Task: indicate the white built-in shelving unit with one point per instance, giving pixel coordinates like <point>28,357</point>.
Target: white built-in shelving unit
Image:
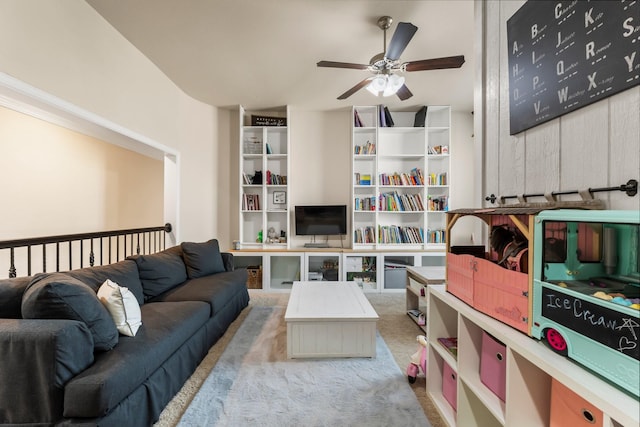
<point>400,179</point>
<point>264,205</point>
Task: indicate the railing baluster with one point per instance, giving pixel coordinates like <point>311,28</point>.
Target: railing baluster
<point>12,265</point>
<point>58,256</point>
<point>110,249</point>
<point>101,250</point>
<point>91,254</point>
<point>44,258</point>
<point>117,248</point>
<point>70,255</point>
<point>81,253</point>
<point>138,244</point>
<point>29,260</point>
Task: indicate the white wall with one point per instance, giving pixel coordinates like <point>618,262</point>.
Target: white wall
<point>64,48</point>
<point>593,147</point>
<point>58,181</point>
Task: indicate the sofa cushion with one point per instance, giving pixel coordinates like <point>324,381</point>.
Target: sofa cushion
<point>161,271</point>
<point>202,259</point>
<point>122,306</point>
<point>59,296</point>
<point>124,273</point>
<point>11,291</point>
<point>114,375</point>
<point>217,290</point>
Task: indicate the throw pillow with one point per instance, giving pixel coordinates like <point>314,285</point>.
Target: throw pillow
<point>202,259</point>
<point>161,271</point>
<point>123,307</point>
<point>58,296</point>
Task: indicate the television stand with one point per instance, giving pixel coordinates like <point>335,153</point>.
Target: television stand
<point>316,245</point>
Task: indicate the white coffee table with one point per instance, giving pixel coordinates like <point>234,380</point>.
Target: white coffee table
<point>330,319</point>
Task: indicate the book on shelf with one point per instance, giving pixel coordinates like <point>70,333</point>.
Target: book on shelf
<point>367,148</point>
<point>437,203</point>
<point>247,179</point>
<point>365,203</point>
<point>392,201</point>
<point>438,149</point>
<point>269,151</point>
<point>420,117</point>
<point>451,344</point>
<point>412,178</point>
<point>382,120</point>
<point>275,179</point>
<point>438,178</point>
<point>364,235</point>
<point>362,179</point>
<point>250,202</point>
<point>394,234</point>
<point>388,118</point>
<point>357,122</point>
<point>436,236</point>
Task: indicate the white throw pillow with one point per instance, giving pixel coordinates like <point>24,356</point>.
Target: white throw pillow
<point>123,307</point>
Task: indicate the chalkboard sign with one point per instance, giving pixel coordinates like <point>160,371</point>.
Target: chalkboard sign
<point>609,327</point>
<point>564,55</point>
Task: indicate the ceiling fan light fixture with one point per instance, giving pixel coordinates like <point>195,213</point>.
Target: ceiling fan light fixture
<point>378,84</point>
<point>394,82</point>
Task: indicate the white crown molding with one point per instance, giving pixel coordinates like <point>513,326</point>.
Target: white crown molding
<point>20,96</point>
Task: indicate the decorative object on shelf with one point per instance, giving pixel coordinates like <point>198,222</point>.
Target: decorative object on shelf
<point>386,67</point>
<point>268,121</point>
<point>252,145</point>
<point>272,237</point>
<point>257,178</point>
<point>279,197</point>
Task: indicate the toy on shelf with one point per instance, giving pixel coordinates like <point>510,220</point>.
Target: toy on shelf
<point>418,360</point>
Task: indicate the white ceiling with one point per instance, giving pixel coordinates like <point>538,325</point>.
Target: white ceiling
<point>263,53</point>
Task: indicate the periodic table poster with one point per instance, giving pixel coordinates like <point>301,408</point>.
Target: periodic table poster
<point>564,55</point>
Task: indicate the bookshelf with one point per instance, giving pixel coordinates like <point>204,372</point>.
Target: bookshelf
<point>401,185</point>
<point>264,184</point>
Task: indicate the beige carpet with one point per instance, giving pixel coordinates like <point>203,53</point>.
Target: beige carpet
<point>398,331</point>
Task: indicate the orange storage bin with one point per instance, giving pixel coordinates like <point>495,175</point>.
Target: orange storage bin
<point>569,409</point>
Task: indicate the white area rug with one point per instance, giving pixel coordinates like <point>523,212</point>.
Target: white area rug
<point>254,384</point>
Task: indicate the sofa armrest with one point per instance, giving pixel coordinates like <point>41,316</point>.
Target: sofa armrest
<point>227,259</point>
<point>38,358</point>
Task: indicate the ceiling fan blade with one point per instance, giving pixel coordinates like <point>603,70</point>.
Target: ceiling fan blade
<point>436,63</point>
<point>356,88</point>
<point>404,93</point>
<point>401,38</point>
<point>333,64</point>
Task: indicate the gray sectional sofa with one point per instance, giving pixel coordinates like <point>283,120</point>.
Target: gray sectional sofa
<point>62,362</point>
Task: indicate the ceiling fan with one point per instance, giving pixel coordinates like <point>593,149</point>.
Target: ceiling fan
<point>386,67</point>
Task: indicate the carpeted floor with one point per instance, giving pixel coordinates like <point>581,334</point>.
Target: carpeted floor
<point>395,327</point>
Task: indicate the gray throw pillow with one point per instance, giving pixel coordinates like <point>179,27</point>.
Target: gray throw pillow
<point>58,296</point>
<point>202,259</point>
<point>161,271</point>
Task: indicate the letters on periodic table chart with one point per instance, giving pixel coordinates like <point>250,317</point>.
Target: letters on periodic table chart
<point>564,55</point>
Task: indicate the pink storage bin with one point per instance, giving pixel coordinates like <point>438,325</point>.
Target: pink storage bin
<point>450,385</point>
<point>493,365</point>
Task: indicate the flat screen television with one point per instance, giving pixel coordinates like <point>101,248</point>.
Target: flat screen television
<point>321,220</point>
